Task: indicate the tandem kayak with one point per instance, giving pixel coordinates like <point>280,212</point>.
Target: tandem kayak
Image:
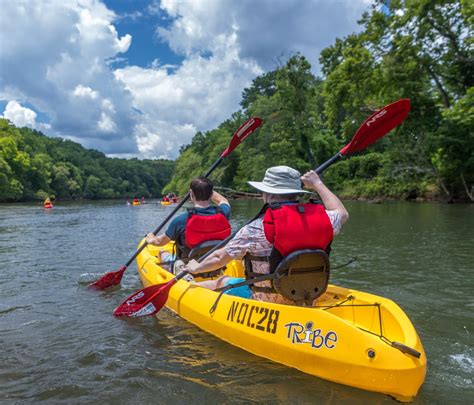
<point>349,337</point>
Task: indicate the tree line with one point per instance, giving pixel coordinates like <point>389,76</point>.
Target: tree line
<point>419,49</point>
<point>34,166</point>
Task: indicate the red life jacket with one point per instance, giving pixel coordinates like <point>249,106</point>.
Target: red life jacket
<point>201,228</point>
<point>291,227</point>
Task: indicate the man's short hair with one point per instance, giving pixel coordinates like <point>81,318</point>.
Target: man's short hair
<point>202,188</point>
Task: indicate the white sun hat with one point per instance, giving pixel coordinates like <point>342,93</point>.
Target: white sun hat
<point>280,180</point>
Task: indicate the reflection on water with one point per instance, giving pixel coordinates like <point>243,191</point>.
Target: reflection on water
<point>60,342</point>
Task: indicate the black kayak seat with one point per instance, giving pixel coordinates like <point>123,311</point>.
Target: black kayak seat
<point>200,250</point>
<point>303,275</point>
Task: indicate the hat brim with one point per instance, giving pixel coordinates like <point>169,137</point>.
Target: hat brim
<point>273,190</point>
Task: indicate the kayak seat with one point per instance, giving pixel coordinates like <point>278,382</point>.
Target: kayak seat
<point>200,250</point>
<point>303,276</point>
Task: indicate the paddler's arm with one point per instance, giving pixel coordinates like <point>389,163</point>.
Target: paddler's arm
<point>331,202</point>
<point>218,199</point>
<point>158,240</point>
<point>215,261</point>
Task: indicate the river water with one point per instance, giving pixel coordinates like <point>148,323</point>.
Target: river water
<point>59,342</point>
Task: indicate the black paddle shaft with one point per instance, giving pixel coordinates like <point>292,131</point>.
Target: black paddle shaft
<point>328,163</point>
<point>172,213</point>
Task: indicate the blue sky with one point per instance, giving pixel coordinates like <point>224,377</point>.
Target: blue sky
<point>141,77</point>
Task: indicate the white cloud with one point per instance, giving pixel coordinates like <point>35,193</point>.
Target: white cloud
<point>267,30</point>
<point>19,115</point>
<point>23,116</point>
<point>106,124</point>
<point>56,56</point>
<point>84,91</point>
<point>154,140</point>
<point>201,92</point>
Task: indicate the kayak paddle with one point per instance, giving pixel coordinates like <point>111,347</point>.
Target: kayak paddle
<point>149,300</point>
<point>372,129</point>
<point>113,278</point>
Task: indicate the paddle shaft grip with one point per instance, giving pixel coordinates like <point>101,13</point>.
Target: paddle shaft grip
<point>172,213</point>
<point>328,163</point>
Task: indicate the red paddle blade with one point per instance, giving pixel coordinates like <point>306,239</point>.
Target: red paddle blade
<point>377,125</point>
<point>109,280</point>
<point>242,132</point>
<point>147,301</point>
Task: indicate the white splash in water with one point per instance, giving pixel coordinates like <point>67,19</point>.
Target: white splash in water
<point>87,278</point>
<point>464,361</point>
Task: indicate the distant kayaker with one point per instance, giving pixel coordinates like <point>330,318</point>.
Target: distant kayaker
<point>202,223</point>
<point>280,187</point>
<point>47,203</point>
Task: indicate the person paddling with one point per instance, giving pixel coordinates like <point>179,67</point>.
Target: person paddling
<point>299,226</point>
<point>200,224</point>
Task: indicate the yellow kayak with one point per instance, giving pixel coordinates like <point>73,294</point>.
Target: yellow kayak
<point>349,337</point>
<point>165,202</point>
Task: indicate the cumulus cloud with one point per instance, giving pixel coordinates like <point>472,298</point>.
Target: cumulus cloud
<point>226,44</point>
<point>267,30</point>
<point>199,94</point>
<point>23,116</point>
<point>57,56</point>
<point>19,115</point>
<point>84,91</point>
<point>53,56</point>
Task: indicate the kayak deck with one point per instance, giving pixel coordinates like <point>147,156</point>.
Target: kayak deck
<point>346,337</point>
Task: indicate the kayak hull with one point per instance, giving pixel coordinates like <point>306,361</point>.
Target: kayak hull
<point>346,338</point>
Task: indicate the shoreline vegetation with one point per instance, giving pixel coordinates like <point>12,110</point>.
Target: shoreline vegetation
<point>34,166</point>
<point>418,50</point>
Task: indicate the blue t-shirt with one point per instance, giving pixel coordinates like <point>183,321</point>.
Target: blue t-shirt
<point>178,224</point>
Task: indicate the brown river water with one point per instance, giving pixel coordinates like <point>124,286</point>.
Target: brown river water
<point>59,342</point>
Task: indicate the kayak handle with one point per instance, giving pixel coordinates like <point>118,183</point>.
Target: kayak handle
<point>406,349</point>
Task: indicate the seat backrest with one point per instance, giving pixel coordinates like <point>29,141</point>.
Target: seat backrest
<point>303,275</point>
<point>200,250</point>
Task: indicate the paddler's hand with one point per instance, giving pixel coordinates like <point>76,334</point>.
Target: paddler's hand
<point>151,239</point>
<point>311,180</point>
<point>191,267</point>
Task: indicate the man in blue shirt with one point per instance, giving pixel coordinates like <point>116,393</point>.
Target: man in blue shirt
<point>204,222</point>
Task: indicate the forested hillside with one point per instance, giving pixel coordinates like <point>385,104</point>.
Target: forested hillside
<point>34,166</point>
<point>422,50</point>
